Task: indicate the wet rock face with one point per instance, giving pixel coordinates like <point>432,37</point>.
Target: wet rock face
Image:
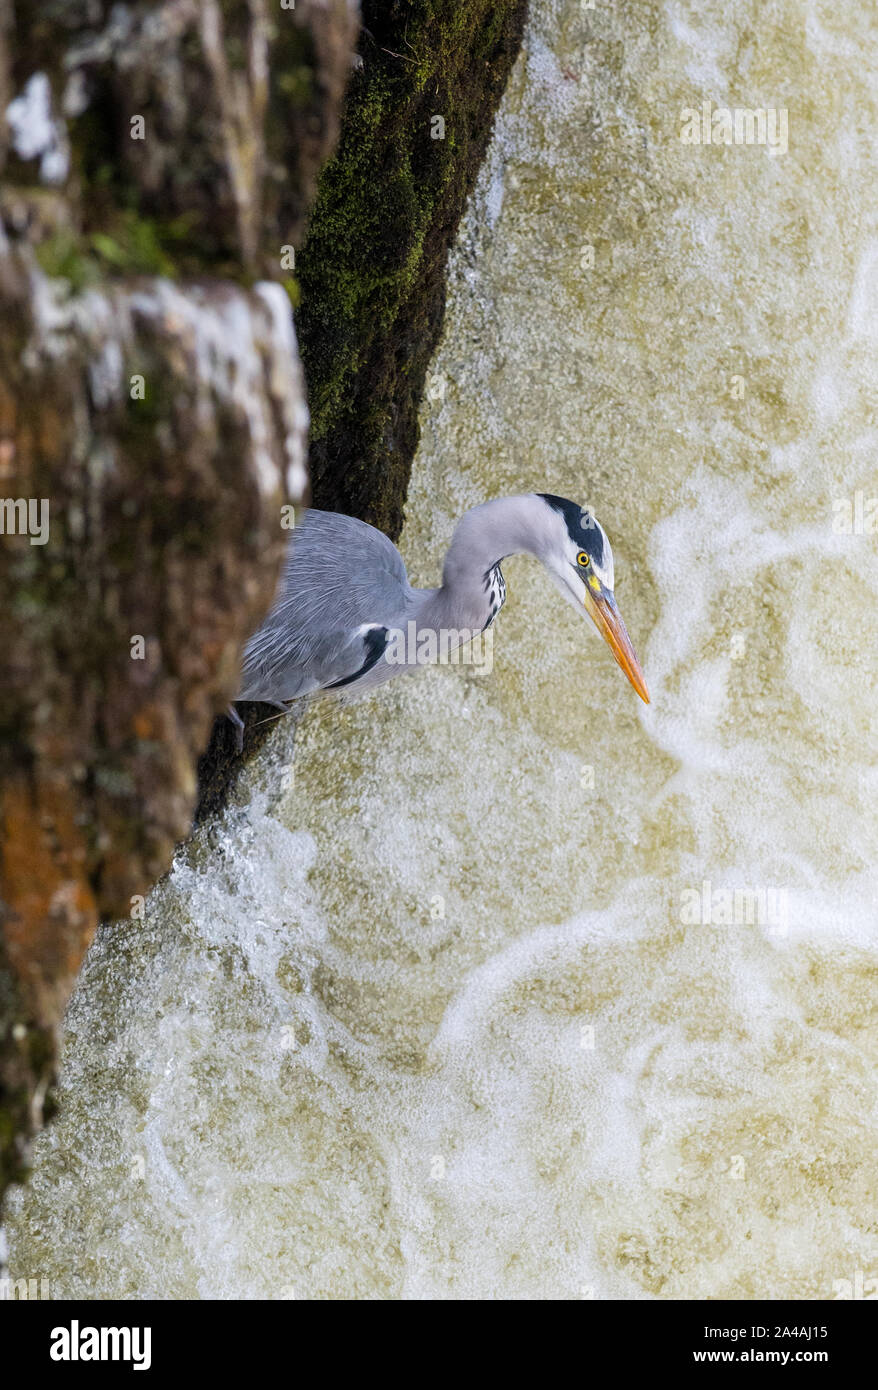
<point>157,163</point>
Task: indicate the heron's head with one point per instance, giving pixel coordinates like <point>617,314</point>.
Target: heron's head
<point>579,558</point>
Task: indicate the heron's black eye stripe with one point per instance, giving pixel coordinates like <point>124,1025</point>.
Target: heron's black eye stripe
<point>582,524</point>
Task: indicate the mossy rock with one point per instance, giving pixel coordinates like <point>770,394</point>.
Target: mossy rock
<point>418,118</point>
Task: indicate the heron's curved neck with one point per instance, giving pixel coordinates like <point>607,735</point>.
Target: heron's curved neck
<point>483,537</point>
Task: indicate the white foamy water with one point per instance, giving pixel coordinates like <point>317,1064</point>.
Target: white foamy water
<point>433,1014</point>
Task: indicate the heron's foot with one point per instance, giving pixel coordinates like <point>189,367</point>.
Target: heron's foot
<point>238,723</point>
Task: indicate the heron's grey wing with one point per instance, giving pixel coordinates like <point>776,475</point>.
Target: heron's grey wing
<point>343,581</point>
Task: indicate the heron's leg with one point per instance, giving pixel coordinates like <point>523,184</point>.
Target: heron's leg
<point>238,722</point>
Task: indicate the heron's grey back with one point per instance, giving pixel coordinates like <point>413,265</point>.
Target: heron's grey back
<point>339,575</point>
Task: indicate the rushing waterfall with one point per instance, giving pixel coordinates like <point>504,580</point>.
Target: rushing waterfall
<point>500,983</point>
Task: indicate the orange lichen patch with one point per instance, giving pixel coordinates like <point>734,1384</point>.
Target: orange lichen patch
<point>144,723</point>
<point>51,912</point>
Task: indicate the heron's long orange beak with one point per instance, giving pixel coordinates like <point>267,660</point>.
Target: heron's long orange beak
<point>601,608</point>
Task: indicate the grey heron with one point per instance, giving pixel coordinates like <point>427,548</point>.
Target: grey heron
<point>344,596</point>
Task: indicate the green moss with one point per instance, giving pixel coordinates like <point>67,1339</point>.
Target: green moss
<point>128,245</point>
<point>63,256</point>
<point>141,245</point>
<point>297,84</point>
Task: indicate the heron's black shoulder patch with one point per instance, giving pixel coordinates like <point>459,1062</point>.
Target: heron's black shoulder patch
<point>374,642</point>
<point>582,526</point>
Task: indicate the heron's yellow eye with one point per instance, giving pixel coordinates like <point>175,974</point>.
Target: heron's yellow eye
<point>582,558</point>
